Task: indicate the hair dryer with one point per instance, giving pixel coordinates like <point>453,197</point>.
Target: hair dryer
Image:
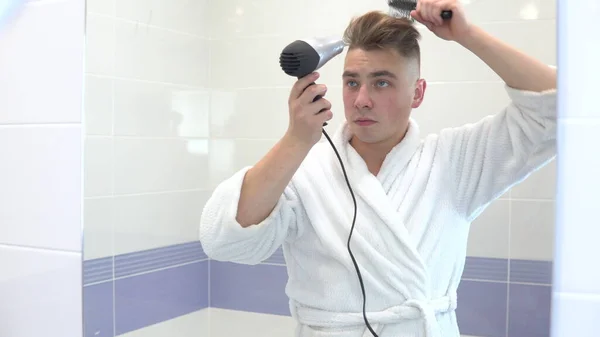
<point>302,57</point>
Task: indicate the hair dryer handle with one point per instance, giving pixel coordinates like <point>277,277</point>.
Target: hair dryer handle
<point>318,97</point>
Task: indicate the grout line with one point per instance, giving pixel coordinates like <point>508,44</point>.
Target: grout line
<point>112,189</point>
<point>121,195</point>
<point>508,260</point>
<point>40,125</point>
<point>39,249</point>
<point>132,79</point>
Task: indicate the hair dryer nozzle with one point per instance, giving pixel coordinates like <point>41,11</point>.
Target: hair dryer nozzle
<point>303,57</point>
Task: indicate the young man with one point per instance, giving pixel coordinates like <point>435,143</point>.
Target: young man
<point>415,197</point>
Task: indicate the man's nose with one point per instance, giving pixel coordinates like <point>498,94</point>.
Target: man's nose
<point>363,99</point>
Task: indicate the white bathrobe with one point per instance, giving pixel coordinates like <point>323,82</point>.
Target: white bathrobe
<point>412,226</point>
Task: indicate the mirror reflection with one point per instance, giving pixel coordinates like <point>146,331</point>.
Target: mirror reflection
<point>218,204</point>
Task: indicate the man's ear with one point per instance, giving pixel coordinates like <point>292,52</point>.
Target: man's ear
<point>420,87</point>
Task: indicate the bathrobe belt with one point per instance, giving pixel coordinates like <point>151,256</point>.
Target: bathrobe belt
<point>409,310</point>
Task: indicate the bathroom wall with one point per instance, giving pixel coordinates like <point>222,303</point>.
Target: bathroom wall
<point>179,95</point>
<point>506,288</point>
<point>41,91</point>
<point>146,163</point>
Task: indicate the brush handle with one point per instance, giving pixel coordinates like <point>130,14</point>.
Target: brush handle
<point>446,15</point>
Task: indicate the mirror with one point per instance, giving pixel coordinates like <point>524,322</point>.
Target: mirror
<point>181,95</point>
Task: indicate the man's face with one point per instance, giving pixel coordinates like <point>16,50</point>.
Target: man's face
<point>380,89</point>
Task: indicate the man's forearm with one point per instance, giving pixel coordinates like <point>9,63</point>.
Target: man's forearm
<point>517,70</point>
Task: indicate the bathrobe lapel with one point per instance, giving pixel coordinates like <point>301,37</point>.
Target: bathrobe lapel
<point>374,190</point>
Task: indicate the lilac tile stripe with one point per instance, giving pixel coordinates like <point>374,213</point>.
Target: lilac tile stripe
<point>481,308</point>
<point>98,310</point>
<point>155,297</point>
<point>529,310</point>
<point>525,271</point>
<point>138,262</point>
<point>259,288</point>
<point>487,269</point>
<point>97,270</point>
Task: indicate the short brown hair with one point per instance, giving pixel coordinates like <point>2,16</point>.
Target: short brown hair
<point>378,30</point>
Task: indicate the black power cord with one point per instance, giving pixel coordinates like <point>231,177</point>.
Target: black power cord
<point>362,286</point>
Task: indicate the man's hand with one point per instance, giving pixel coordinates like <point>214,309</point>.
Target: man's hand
<point>428,12</point>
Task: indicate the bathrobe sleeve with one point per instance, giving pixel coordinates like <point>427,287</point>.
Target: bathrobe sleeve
<point>487,158</point>
<point>224,239</point>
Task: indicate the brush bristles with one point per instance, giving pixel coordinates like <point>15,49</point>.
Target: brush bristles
<point>400,13</point>
<point>401,8</point>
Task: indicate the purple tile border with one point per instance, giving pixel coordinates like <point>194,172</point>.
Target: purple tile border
<point>488,269</point>
<point>526,271</point>
<point>139,262</point>
<point>98,310</point>
<point>481,308</point>
<point>97,270</point>
<point>160,284</point>
<point>529,310</point>
<point>151,298</point>
<point>259,288</point>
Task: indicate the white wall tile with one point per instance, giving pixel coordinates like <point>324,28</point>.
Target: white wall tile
<point>105,7</point>
<point>98,109</point>
<point>532,230</point>
<point>575,314</point>
<point>539,185</point>
<point>160,110</point>
<point>489,232</point>
<point>41,292</point>
<point>192,17</point>
<point>36,89</point>
<point>229,155</point>
<point>155,220</point>
<point>41,189</point>
<point>100,45</point>
<point>160,164</point>
<point>98,166</point>
<point>153,54</point>
<point>98,223</point>
<point>480,11</point>
<point>455,104</point>
<point>578,227</point>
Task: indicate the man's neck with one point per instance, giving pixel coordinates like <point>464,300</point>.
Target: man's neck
<point>374,154</point>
